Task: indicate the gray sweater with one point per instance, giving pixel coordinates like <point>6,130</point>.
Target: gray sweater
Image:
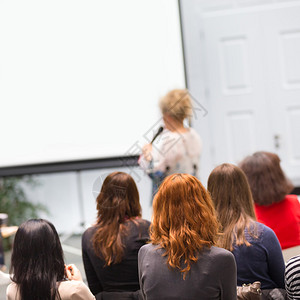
<point>213,276</point>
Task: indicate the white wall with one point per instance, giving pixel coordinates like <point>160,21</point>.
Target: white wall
<point>70,197</point>
<point>265,116</point>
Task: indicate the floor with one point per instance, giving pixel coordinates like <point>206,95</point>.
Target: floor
<point>72,250</point>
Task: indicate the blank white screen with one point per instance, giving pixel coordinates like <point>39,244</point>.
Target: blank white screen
<point>82,79</point>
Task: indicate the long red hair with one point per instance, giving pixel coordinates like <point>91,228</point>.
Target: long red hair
<point>184,220</point>
<point>117,203</point>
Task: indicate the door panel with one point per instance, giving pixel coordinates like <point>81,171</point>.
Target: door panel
<point>281,32</point>
<point>236,86</point>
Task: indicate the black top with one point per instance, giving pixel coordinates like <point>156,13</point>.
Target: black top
<point>116,277</point>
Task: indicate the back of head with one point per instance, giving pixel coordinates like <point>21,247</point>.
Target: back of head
<point>177,103</point>
<point>183,220</point>
<point>37,260</point>
<point>266,178</point>
<point>232,198</point>
<point>117,202</point>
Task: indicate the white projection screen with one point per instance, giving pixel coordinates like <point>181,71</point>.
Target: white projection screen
<point>82,79</point>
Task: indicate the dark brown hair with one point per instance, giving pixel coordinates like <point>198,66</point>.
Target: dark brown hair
<point>266,178</point>
<point>37,261</point>
<point>183,221</point>
<point>232,197</point>
<point>117,203</point>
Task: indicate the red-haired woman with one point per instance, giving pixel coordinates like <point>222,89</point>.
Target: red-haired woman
<point>110,248</point>
<point>182,262</point>
<point>270,188</point>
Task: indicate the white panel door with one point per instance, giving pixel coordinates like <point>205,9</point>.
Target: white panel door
<point>281,33</point>
<point>236,86</point>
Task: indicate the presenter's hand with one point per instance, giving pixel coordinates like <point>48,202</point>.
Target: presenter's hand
<point>147,150</point>
<point>73,273</point>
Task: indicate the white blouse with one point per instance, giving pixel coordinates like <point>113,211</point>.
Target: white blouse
<point>174,152</point>
<point>68,290</point>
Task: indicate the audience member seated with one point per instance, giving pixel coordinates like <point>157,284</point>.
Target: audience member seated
<point>1,253</point>
<point>3,220</point>
<point>255,246</point>
<point>270,189</point>
<point>38,267</point>
<point>110,248</point>
<point>182,262</point>
<point>5,232</point>
<point>292,278</point>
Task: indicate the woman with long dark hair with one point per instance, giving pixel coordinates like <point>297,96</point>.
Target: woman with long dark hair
<point>38,268</point>
<point>255,246</point>
<point>182,261</point>
<point>110,247</point>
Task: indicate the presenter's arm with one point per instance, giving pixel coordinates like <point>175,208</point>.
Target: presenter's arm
<point>147,152</point>
<point>154,156</point>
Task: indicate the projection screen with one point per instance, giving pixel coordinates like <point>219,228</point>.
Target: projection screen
<point>82,79</point>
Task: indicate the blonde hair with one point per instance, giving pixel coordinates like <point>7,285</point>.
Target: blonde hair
<point>184,220</point>
<point>178,104</point>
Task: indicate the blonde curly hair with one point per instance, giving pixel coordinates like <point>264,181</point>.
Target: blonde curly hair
<point>178,104</point>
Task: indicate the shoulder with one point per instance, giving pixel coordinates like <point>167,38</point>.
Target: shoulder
<point>194,135</point>
<point>295,260</point>
<point>147,248</point>
<point>266,236</point>
<point>217,261</point>
<point>193,132</point>
<point>11,291</point>
<point>138,224</point>
<point>150,250</point>
<point>224,260</point>
<point>292,272</point>
<point>293,263</point>
<point>89,232</point>
<point>144,223</point>
<point>219,251</point>
<point>291,199</point>
<point>264,230</point>
<point>221,254</point>
<point>151,256</point>
<point>71,289</point>
<point>72,284</point>
<point>87,236</point>
<point>193,140</point>
<point>165,135</point>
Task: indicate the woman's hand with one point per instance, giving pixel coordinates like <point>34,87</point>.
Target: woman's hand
<point>73,273</point>
<point>147,149</point>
